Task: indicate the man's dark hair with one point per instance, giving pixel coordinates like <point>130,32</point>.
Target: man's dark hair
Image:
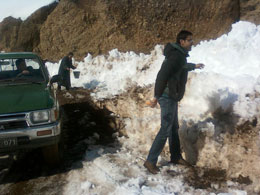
<point>70,54</point>
<point>19,61</point>
<point>182,35</point>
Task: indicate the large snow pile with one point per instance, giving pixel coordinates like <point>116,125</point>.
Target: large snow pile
<point>220,105</point>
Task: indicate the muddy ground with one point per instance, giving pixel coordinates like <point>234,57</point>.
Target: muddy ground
<point>29,174</point>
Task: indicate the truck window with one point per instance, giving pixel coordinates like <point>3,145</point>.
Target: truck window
<point>12,70</point>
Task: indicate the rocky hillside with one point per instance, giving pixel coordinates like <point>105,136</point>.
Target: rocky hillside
<point>18,35</point>
<point>87,26</point>
<point>249,11</point>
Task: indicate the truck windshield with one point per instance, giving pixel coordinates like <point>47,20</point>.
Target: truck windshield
<point>20,70</point>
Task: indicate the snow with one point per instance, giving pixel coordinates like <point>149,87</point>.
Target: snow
<point>231,74</point>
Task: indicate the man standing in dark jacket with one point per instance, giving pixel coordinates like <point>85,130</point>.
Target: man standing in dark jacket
<point>64,71</point>
<point>169,89</point>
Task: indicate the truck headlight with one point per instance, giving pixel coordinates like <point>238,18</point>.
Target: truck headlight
<point>44,116</point>
<point>40,116</point>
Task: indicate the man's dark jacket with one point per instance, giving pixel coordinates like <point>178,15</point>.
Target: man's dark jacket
<point>172,77</point>
<point>64,72</point>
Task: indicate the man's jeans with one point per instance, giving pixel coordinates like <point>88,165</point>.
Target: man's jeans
<point>169,129</point>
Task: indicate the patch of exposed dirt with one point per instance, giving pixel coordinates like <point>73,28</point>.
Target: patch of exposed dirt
<point>214,180</point>
<point>204,178</point>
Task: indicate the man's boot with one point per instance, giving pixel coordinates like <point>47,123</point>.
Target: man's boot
<point>181,161</point>
<point>151,168</point>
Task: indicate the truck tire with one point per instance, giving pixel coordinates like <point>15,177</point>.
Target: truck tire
<point>53,154</point>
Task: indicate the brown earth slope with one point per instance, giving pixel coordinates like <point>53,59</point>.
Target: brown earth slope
<point>87,26</point>
<point>250,11</point>
<point>18,35</point>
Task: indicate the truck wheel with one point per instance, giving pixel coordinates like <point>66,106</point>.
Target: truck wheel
<point>53,154</point>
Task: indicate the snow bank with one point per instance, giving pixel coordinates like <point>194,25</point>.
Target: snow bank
<point>218,117</point>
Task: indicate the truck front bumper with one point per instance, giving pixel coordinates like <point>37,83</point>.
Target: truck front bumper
<point>30,137</point>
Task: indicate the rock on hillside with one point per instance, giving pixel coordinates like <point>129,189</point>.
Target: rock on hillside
<point>29,32</point>
<point>98,26</point>
<point>250,11</point>
<point>9,30</point>
<point>18,35</point>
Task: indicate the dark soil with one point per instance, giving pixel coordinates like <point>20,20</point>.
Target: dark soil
<point>211,179</point>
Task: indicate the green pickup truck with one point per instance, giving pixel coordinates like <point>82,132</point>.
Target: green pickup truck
<point>30,116</point>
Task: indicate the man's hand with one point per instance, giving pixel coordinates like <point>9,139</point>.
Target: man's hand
<point>199,66</point>
<point>25,72</point>
<point>152,103</point>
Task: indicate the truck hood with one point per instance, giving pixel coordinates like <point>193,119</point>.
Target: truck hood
<point>25,97</point>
